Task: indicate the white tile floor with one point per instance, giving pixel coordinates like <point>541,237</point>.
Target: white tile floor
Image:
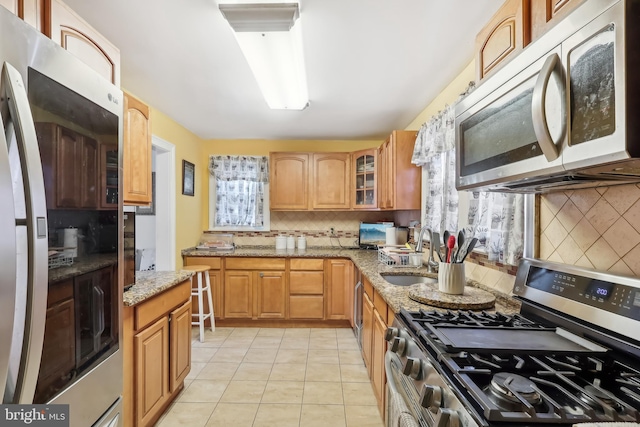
<point>275,377</point>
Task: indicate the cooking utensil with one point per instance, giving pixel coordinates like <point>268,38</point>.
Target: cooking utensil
<point>451,243</point>
<point>470,247</point>
<point>460,245</point>
<point>445,240</point>
<point>435,243</point>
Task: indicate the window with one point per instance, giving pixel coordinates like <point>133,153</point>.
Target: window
<point>239,193</point>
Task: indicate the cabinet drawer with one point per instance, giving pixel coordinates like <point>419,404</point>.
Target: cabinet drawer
<point>213,262</point>
<point>59,291</point>
<point>254,263</point>
<point>161,304</point>
<point>306,264</point>
<point>306,307</point>
<point>306,282</point>
<point>380,304</point>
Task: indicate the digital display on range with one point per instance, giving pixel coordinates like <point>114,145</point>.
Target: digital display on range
<point>600,289</point>
<point>568,284</point>
<point>636,299</point>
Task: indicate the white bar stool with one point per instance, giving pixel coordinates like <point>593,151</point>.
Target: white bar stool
<point>201,270</point>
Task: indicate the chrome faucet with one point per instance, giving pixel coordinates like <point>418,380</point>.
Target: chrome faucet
<point>434,240</point>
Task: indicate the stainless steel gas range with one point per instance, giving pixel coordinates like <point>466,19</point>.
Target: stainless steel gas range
<point>572,355</point>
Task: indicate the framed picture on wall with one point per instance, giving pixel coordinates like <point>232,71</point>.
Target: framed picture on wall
<point>151,209</point>
<point>188,178</point>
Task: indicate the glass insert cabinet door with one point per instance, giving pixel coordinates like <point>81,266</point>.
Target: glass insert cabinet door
<point>365,182</point>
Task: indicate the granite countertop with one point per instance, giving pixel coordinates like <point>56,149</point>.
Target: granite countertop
<point>396,297</point>
<point>151,283</point>
<point>82,265</point>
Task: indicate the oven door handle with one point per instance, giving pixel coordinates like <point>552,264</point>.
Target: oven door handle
<point>398,413</point>
<point>538,109</point>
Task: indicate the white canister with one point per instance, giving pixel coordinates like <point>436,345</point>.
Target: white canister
<point>281,242</point>
<point>302,242</point>
<point>390,236</point>
<point>291,242</point>
<point>451,278</point>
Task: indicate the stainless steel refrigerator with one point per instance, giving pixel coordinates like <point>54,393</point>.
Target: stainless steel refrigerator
<point>60,229</point>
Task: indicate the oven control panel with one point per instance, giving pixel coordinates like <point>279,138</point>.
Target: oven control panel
<point>616,298</point>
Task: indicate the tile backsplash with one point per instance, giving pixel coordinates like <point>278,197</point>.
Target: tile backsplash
<point>315,227</point>
<point>596,228</point>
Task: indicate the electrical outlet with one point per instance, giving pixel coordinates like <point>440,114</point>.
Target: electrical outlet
<point>332,231</point>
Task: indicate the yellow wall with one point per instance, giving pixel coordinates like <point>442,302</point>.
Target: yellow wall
<point>188,208</point>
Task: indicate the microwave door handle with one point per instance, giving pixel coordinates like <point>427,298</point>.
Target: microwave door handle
<point>538,109</point>
<point>15,94</point>
<point>8,255</point>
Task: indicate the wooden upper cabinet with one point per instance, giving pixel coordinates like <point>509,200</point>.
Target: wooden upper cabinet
<point>364,183</point>
<point>330,181</point>
<point>289,181</point>
<point>506,34</point>
<point>137,152</point>
<point>546,13</point>
<point>74,34</point>
<point>399,181</point>
<point>29,10</point>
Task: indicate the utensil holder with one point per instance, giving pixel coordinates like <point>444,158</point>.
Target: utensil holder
<point>451,278</point>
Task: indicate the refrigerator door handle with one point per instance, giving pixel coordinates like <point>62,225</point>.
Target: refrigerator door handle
<point>14,91</point>
<point>8,255</point>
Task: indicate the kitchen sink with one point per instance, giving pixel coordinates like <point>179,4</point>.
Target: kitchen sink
<point>405,280</point>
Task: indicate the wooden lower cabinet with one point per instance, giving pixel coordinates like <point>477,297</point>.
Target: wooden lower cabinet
<point>152,370</point>
<point>374,346</point>
<point>258,293</point>
<point>339,289</point>
<point>306,289</point>
<point>271,295</point>
<point>180,351</point>
<point>157,352</point>
<point>378,376</point>
<point>238,294</point>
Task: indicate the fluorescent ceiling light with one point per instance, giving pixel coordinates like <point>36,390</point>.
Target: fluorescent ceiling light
<point>270,38</point>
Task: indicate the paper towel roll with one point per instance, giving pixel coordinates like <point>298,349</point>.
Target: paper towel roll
<point>70,240</point>
<point>390,236</point>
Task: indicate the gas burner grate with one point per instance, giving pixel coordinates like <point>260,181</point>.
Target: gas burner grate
<point>482,319</point>
<point>559,388</point>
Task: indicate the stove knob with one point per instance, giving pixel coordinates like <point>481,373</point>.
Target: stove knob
<point>412,368</point>
<point>399,345</point>
<point>391,333</point>
<point>447,418</point>
<point>431,397</point>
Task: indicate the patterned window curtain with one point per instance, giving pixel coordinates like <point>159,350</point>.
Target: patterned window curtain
<point>435,152</point>
<point>240,184</point>
<point>496,219</point>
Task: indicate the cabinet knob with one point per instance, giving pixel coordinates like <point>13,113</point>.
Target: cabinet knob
<point>261,274</point>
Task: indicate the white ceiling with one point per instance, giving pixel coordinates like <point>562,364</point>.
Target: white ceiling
<point>372,65</point>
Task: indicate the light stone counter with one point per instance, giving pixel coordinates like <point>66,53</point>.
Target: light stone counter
<point>367,262</point>
<point>151,283</point>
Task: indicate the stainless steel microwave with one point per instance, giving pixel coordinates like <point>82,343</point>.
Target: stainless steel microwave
<point>565,113</point>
